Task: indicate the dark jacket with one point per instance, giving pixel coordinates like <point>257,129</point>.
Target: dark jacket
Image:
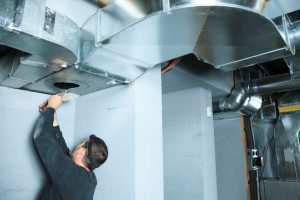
<point>66,180</point>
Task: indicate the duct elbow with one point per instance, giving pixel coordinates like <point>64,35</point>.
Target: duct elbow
<point>235,101</point>
<point>239,101</point>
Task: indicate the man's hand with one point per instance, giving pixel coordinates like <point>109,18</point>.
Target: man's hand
<point>53,101</point>
<point>43,106</point>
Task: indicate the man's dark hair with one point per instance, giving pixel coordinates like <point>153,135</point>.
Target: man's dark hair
<point>97,152</point>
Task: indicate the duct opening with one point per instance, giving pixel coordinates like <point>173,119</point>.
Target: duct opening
<point>65,85</point>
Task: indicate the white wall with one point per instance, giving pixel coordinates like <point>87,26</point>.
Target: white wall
<point>128,118</point>
<point>189,148</point>
<point>21,174</point>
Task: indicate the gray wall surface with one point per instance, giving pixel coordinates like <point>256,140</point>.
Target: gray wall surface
<point>230,159</point>
<point>21,173</point>
<point>129,119</point>
<point>189,154</point>
<point>109,115</point>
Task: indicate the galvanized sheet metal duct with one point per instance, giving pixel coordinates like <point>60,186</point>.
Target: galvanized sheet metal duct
<point>46,41</point>
<point>86,82</point>
<point>296,34</point>
<point>29,26</point>
<point>143,34</point>
<point>242,91</point>
<point>127,37</point>
<point>272,84</point>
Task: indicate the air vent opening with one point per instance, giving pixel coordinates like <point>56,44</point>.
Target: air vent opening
<point>65,85</point>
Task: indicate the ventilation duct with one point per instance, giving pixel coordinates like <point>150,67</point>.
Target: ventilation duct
<point>239,100</point>
<point>29,26</point>
<point>42,47</point>
<point>241,93</point>
<point>127,37</point>
<point>19,69</point>
<point>133,36</point>
<point>42,42</point>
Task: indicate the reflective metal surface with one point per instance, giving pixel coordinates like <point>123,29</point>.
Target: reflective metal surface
<point>277,83</point>
<point>275,8</point>
<point>241,45</point>
<point>233,102</point>
<point>296,34</point>
<point>287,137</point>
<point>293,62</point>
<point>190,73</point>
<point>238,97</point>
<point>251,105</point>
<point>257,5</point>
<point>122,14</point>
<point>33,31</point>
<point>112,62</point>
<point>279,190</point>
<point>287,146</point>
<point>125,38</point>
<point>277,138</point>
<point>87,82</point>
<point>19,69</point>
<point>145,34</point>
<point>239,100</point>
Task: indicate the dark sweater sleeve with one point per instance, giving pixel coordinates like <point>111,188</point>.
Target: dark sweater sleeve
<point>45,122</point>
<point>57,134</point>
<point>72,182</point>
<point>45,126</point>
<point>47,146</point>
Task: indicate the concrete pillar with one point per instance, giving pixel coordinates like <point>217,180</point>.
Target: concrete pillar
<point>189,148</point>
<point>231,169</point>
<point>129,119</point>
<point>148,137</point>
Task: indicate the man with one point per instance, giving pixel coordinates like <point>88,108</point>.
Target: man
<point>71,177</point>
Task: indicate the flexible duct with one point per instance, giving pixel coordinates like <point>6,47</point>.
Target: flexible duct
<point>242,93</point>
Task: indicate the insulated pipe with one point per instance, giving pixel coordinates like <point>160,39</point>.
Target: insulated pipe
<point>242,91</point>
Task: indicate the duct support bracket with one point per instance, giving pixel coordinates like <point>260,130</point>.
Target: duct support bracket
<point>103,74</point>
<point>288,34</point>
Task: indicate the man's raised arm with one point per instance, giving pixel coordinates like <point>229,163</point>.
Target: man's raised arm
<point>48,118</point>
